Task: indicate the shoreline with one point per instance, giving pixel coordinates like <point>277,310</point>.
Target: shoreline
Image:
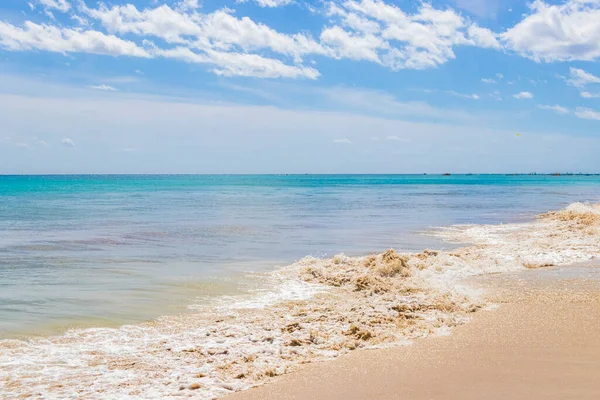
<point>341,304</point>
<point>517,351</point>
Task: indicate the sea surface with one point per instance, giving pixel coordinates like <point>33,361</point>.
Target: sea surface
<point>82,251</point>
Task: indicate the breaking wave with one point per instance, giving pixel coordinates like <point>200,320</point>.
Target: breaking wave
<point>321,309</point>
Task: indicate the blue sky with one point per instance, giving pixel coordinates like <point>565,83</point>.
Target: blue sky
<point>286,86</point>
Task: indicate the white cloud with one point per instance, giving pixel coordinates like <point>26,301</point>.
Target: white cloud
<point>372,30</point>
<point>80,20</point>
<point>488,80</point>
<point>589,95</point>
<point>464,96</point>
<point>557,109</point>
<point>564,32</point>
<point>188,5</point>
<point>60,5</point>
<point>483,37</point>
<point>580,78</point>
<point>273,3</point>
<point>587,113</point>
<point>218,38</point>
<point>353,46</point>
<point>400,40</point>
<point>217,31</point>
<point>238,64</point>
<point>396,138</point>
<point>523,95</point>
<point>418,37</point>
<point>342,141</point>
<point>68,142</point>
<point>105,88</point>
<point>353,21</point>
<point>62,40</point>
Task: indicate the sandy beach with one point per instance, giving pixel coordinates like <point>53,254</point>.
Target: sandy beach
<point>510,315</point>
<point>541,342</point>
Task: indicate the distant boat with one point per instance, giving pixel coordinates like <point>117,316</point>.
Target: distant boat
<point>447,174</point>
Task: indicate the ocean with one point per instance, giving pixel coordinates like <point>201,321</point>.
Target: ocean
<point>92,250</point>
<point>155,287</point>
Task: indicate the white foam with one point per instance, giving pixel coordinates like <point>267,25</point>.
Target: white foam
<point>318,310</point>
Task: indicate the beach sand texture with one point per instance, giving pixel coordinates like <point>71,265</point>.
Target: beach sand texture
<point>542,343</point>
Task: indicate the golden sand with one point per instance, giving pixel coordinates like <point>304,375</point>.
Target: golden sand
<point>380,300</point>
<point>541,344</point>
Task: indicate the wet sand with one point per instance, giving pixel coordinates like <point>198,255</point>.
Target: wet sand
<point>543,342</point>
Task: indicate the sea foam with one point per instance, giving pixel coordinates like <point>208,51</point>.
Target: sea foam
<point>323,308</point>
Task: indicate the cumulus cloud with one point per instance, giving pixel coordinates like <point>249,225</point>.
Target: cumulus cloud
<point>557,109</point>
<point>188,5</point>
<point>67,142</point>
<point>589,95</point>
<point>523,95</point>
<point>482,37</point>
<point>33,36</point>
<point>344,44</point>
<point>586,113</point>
<point>557,32</point>
<point>580,78</point>
<point>239,64</point>
<point>229,43</point>
<point>105,88</point>
<point>488,80</point>
<point>400,40</point>
<point>219,30</point>
<point>60,5</point>
<point>368,30</point>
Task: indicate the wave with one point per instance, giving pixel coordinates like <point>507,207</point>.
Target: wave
<point>320,309</point>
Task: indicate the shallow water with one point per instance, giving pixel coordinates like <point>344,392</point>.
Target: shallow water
<point>80,251</point>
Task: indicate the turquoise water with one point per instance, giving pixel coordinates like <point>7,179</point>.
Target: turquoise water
<point>107,250</point>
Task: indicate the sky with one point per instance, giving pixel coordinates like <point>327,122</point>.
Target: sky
<point>293,86</point>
